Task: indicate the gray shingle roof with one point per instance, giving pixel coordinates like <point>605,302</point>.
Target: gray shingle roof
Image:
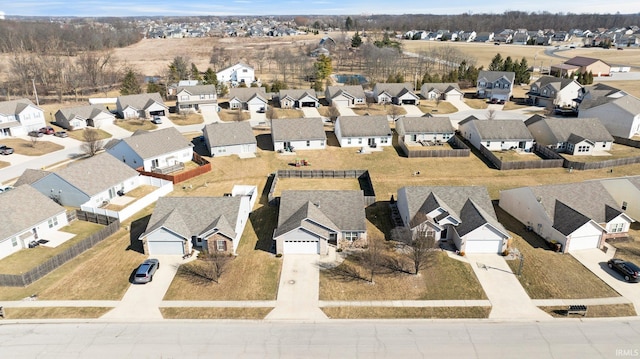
<point>356,126</point>
<point>30,176</point>
<point>229,133</point>
<point>96,174</point>
<point>84,112</point>
<point>441,87</point>
<point>556,82</point>
<point>492,76</point>
<point>411,125</point>
<point>298,93</point>
<point>141,101</point>
<point>245,94</point>
<point>193,216</point>
<point>562,128</point>
<point>394,89</point>
<point>24,207</point>
<point>502,130</point>
<point>14,107</point>
<point>198,89</point>
<point>355,91</point>
<point>153,144</point>
<point>297,129</point>
<point>341,209</point>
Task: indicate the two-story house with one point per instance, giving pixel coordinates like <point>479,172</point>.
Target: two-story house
<point>192,98</point>
<point>554,91</point>
<point>236,74</point>
<point>18,117</point>
<point>495,85</point>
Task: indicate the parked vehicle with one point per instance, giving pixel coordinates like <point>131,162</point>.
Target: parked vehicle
<point>61,134</point>
<point>629,271</point>
<point>5,188</point>
<point>35,134</point>
<point>47,130</point>
<point>145,272</point>
<point>4,150</point>
<point>157,120</point>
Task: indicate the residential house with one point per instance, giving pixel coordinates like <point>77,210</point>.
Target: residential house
<point>619,115</point>
<point>495,84</point>
<point>395,93</point>
<point>237,74</point>
<point>230,138</point>
<point>575,215</point>
<point>496,135</point>
<point>462,215</point>
<point>521,38</point>
<point>193,98</point>
<point>77,118</point>
<point>467,36</point>
<point>574,136</point>
<point>162,151</point>
<point>27,216</point>
<point>484,37</point>
<point>252,99</point>
<point>345,96</point>
<point>626,192</point>
<point>549,91</point>
<point>443,91</point>
<point>18,117</point>
<point>142,105</point>
<point>211,224</point>
<point>293,134</point>
<point>415,130</point>
<point>583,65</point>
<point>298,98</point>
<point>91,182</point>
<point>360,131</point>
<point>311,221</point>
<point>505,36</point>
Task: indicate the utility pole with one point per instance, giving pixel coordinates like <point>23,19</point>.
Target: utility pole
<point>35,92</point>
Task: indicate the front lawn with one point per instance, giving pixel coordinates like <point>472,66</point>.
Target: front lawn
<point>56,313</point>
<point>594,311</point>
<point>374,109</point>
<point>406,312</point>
<point>79,134</point>
<point>287,113</point>
<point>628,248</point>
<point>476,103</point>
<point>214,313</point>
<point>186,119</point>
<point>233,115</point>
<point>134,125</point>
<point>441,108</point>
<point>33,147</point>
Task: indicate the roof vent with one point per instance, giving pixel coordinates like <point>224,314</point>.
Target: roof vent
<point>317,204</point>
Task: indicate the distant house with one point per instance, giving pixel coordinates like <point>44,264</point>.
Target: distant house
<point>236,74</point>
<point>495,84</point>
<point>76,118</point>
<point>395,93</point>
<point>442,91</point>
<point>293,134</point>
<point>298,98</point>
<point>311,221</point>
<point>463,216</point>
<point>619,115</point>
<point>345,96</point>
<point>574,136</point>
<point>484,37</point>
<point>18,117</point>
<point>467,36</point>
<point>230,138</point>
<point>192,98</point>
<point>555,92</point>
<point>142,105</point>
<point>583,65</point>
<point>210,224</point>
<point>413,130</point>
<point>360,131</point>
<point>153,151</point>
<point>496,135</point>
<point>252,99</point>
<point>27,215</point>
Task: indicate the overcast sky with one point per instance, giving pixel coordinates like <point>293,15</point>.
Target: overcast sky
<point>98,8</point>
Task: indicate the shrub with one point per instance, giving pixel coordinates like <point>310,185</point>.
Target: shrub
<point>278,255</point>
<point>339,250</point>
<point>505,252</point>
<point>462,254</point>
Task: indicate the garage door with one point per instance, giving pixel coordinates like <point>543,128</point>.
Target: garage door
<point>483,247</point>
<point>156,248</point>
<point>301,247</point>
<point>255,107</point>
<point>341,103</point>
<point>408,102</point>
<point>587,242</point>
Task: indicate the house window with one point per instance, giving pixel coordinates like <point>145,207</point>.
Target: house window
<point>221,245</point>
<point>202,97</point>
<point>359,141</point>
<point>348,141</point>
<point>53,222</point>
<point>624,205</point>
<point>308,143</point>
<point>583,148</point>
<point>14,241</point>
<point>617,227</point>
<point>184,98</point>
<point>350,236</point>
<point>244,70</point>
<point>604,144</point>
<point>384,140</point>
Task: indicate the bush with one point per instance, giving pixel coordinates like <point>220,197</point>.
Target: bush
<point>278,255</point>
<point>339,250</point>
<point>505,252</point>
<point>462,253</point>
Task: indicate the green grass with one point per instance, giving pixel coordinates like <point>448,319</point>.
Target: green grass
<point>214,313</point>
<point>406,312</point>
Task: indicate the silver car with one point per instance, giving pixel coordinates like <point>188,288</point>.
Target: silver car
<point>144,273</point>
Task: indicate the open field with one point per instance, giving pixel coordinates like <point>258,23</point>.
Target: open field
<point>214,313</point>
<point>29,148</point>
<point>594,311</point>
<point>406,312</point>
<point>56,313</point>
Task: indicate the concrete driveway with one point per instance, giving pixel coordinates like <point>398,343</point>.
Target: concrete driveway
<point>141,301</point>
<point>508,299</point>
<point>596,261</point>
<point>209,114</point>
<point>346,111</point>
<point>298,290</point>
<point>309,112</point>
<point>413,111</point>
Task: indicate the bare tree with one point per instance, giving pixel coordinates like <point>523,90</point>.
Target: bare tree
<point>237,115</point>
<point>271,113</point>
<point>394,111</point>
<point>372,256</point>
<point>209,268</point>
<point>92,142</point>
<point>421,246</point>
<point>491,114</point>
<point>333,112</point>
<point>34,141</point>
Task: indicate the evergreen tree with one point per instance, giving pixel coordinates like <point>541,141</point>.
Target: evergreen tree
<point>426,78</point>
<point>522,72</point>
<point>210,77</point>
<point>130,84</point>
<point>580,78</point>
<point>589,78</point>
<point>496,63</point>
<point>195,73</point>
<point>356,40</point>
<point>323,67</point>
<point>318,86</point>
<point>348,24</point>
<point>508,65</point>
<point>153,86</point>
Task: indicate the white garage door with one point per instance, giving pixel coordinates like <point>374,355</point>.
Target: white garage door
<point>483,247</point>
<point>253,107</point>
<point>587,242</point>
<point>156,248</point>
<point>341,103</point>
<point>301,247</point>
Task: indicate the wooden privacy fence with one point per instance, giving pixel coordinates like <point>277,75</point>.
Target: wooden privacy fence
<point>203,167</point>
<point>24,279</point>
<point>581,166</point>
<point>549,160</point>
<point>460,149</point>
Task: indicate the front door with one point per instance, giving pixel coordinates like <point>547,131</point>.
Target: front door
<point>371,142</point>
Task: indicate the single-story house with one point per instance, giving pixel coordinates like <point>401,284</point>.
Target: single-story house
<point>413,130</point>
<point>583,65</point>
<point>27,215</point>
<point>252,99</point>
<point>395,93</point>
<point>192,98</point>
<point>211,224</point>
<point>619,115</point>
<point>237,74</point>
<point>495,84</point>
<point>442,91</point>
<point>142,105</point>
<point>462,215</point>
<point>574,215</point>
<point>496,135</point>
<point>298,98</point>
<point>293,134</point>
<point>77,118</point>
<point>574,136</point>
<point>18,117</point>
<point>230,138</point>
<point>555,92</point>
<point>163,151</point>
<point>346,96</point>
<point>310,221</point>
<point>359,131</point>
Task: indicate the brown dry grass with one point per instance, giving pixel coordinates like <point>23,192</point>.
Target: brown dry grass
<point>133,125</point>
<point>476,103</point>
<point>512,155</point>
<point>430,106</point>
<point>406,312</point>
<point>375,109</point>
<point>186,119</point>
<point>288,113</point>
<point>594,311</point>
<point>4,164</point>
<point>231,115</point>
<point>629,248</point>
<point>316,184</point>
<point>27,148</point>
<point>214,313</point>
<point>617,151</point>
<point>56,313</point>
<point>79,134</point>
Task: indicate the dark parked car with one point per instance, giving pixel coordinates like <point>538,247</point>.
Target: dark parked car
<point>47,130</point>
<point>35,134</point>
<point>61,134</point>
<point>4,150</point>
<point>144,273</point>
<point>629,271</point>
